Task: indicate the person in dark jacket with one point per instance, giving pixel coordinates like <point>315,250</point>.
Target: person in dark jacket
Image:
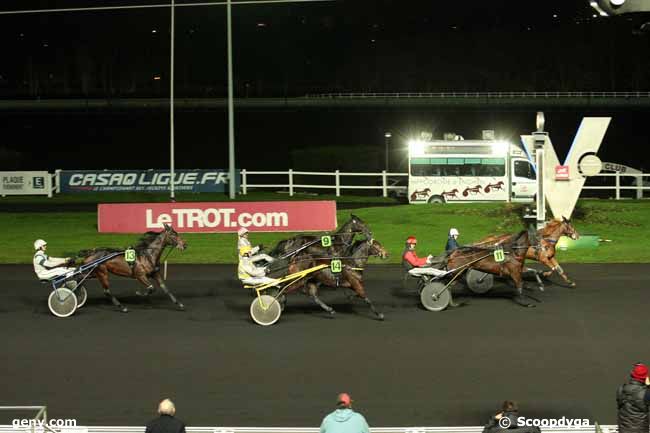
<point>166,422</point>
<point>452,240</point>
<point>506,419</point>
<point>633,400</point>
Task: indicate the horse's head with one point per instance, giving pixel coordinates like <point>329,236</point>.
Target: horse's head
<point>377,249</point>
<point>172,238</point>
<point>356,224</point>
<point>569,230</point>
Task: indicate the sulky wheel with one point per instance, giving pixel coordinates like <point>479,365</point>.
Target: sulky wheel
<point>62,302</point>
<point>265,310</point>
<point>274,291</point>
<point>82,296</point>
<point>434,296</point>
<point>479,282</point>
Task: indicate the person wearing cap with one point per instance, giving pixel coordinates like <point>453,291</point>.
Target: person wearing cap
<point>344,419</point>
<point>243,241</point>
<point>166,422</point>
<point>47,267</point>
<point>452,243</point>
<point>506,419</point>
<point>247,272</point>
<point>417,266</point>
<point>633,401</point>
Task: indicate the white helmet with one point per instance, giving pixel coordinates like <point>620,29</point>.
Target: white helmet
<point>39,243</point>
<point>242,231</point>
<point>453,232</point>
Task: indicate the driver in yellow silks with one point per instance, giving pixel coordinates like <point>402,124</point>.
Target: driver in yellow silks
<point>247,272</point>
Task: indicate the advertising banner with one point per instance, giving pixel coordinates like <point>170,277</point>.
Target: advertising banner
<point>217,217</point>
<point>212,180</point>
<point>25,183</point>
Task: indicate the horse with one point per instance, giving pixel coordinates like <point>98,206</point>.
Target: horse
<point>351,275</point>
<point>344,235</point>
<point>544,250</point>
<point>147,263</point>
<point>481,257</point>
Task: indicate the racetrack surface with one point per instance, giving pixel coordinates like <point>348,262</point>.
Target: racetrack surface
<point>564,358</point>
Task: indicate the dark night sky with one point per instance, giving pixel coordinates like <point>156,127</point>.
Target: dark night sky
<point>292,50</point>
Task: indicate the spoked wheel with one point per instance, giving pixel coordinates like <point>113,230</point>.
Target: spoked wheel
<point>435,297</point>
<point>265,310</point>
<point>82,296</point>
<point>479,282</point>
<point>274,291</point>
<point>62,302</point>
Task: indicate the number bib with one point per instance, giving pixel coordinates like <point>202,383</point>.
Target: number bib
<point>499,255</point>
<point>336,266</point>
<point>130,255</point>
<point>326,241</point>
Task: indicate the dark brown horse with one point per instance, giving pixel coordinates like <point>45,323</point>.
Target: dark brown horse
<point>312,245</point>
<point>482,258</point>
<point>351,275</point>
<point>543,250</point>
<point>147,263</point>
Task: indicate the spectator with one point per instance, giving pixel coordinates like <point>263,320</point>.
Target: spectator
<point>166,422</point>
<point>506,419</point>
<point>344,419</point>
<point>633,399</point>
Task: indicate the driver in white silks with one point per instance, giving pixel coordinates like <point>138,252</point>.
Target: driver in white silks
<point>244,242</point>
<point>247,272</point>
<point>47,267</point>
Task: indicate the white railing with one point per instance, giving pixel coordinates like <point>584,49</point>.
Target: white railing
<point>336,184</point>
<point>469,429</point>
<point>641,184</point>
<point>482,95</point>
<point>40,417</point>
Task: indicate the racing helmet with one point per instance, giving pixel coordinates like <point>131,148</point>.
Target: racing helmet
<point>242,231</point>
<point>411,240</point>
<point>39,243</point>
<point>453,232</point>
<point>244,250</point>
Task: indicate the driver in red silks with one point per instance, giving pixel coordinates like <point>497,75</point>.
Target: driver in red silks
<point>417,265</point>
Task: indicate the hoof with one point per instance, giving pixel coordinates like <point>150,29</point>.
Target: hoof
<point>540,288</point>
<point>181,307</point>
<point>143,294</point>
<point>572,285</point>
<point>332,313</point>
<point>380,316</point>
<point>124,310</point>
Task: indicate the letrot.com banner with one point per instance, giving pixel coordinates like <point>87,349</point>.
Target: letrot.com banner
<point>144,180</point>
<point>276,216</point>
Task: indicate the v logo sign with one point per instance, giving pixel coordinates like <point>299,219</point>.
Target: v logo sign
<point>562,195</point>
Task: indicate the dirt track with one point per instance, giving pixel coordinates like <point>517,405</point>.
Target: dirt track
<point>102,367</point>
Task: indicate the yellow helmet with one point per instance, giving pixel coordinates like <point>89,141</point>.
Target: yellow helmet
<point>245,249</point>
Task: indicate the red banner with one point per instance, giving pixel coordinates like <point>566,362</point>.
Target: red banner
<point>272,216</point>
<point>561,172</point>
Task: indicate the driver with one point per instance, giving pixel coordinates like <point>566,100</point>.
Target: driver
<point>247,272</point>
<point>418,265</point>
<point>244,242</point>
<point>452,242</point>
<point>47,267</point>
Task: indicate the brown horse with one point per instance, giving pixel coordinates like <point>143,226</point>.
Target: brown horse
<point>147,263</point>
<point>543,250</point>
<point>351,275</point>
<point>481,257</point>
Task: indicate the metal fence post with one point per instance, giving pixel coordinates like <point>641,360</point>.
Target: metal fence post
<point>244,180</point>
<point>57,174</point>
<point>48,185</point>
<point>291,182</point>
<point>384,183</point>
<point>639,187</point>
<point>337,183</point>
<point>618,186</point>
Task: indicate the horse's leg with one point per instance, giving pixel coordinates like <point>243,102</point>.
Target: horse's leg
<point>312,291</point>
<point>162,285</point>
<point>557,268</point>
<point>140,274</point>
<point>102,276</point>
<point>515,275</point>
<point>357,286</point>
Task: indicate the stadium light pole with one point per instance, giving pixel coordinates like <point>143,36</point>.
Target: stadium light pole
<point>171,105</point>
<point>231,110</point>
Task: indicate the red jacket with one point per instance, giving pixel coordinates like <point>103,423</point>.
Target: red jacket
<point>415,261</point>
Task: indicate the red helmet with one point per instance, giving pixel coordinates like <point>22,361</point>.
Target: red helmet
<point>411,240</point>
